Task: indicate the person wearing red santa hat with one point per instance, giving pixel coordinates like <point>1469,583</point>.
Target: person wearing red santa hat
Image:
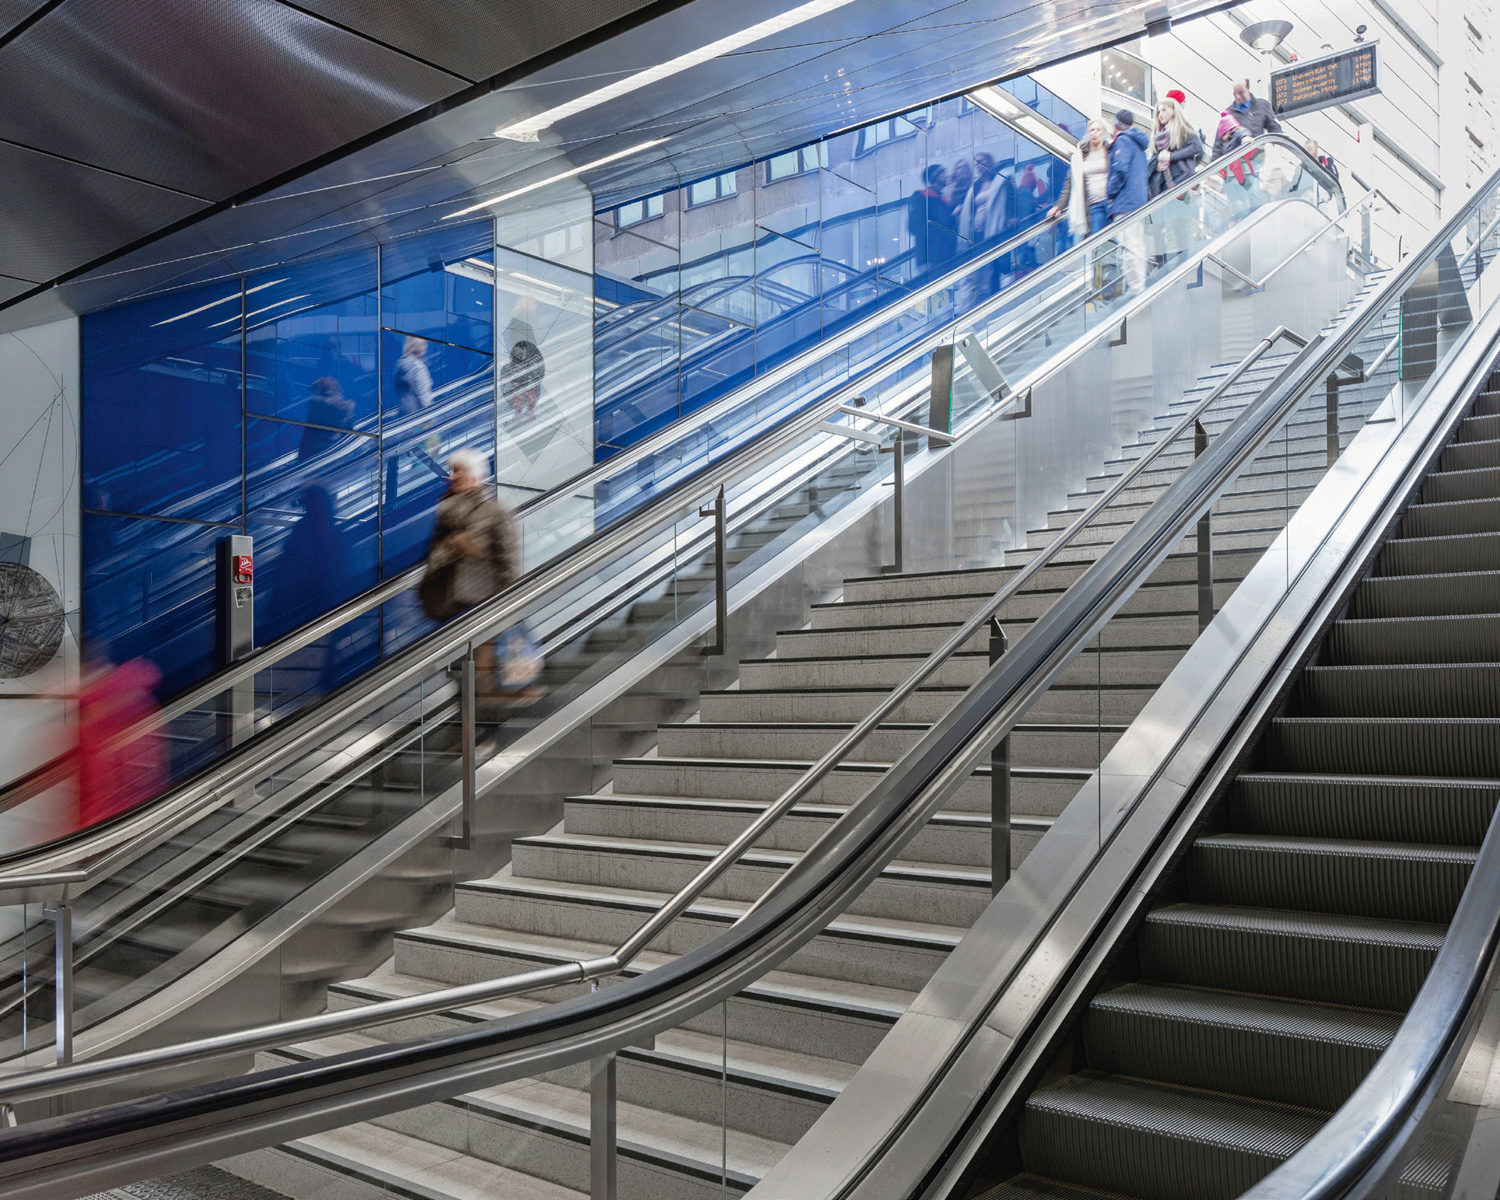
<point>1180,97</point>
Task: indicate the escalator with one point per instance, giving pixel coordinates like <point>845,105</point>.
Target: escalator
<point>1276,967</point>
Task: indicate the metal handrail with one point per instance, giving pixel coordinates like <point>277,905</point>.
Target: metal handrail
<point>220,778</point>
<point>54,772</point>
<point>273,1105</point>
<point>73,1078</point>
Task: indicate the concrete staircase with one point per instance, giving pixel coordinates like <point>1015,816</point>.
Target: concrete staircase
<point>768,1062</point>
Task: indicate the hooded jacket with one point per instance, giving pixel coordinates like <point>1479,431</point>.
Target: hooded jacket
<point>1128,169</point>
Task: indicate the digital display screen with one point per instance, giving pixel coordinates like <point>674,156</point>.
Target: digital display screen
<point>1333,79</point>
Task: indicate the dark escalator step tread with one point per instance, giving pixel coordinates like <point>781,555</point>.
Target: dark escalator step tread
<point>1478,484</point>
<point>1388,880</point>
<point>1322,957</point>
<point>1415,641</point>
<point>1427,595</point>
<point>1480,427</point>
<point>1034,1187</point>
<point>1451,517</point>
<point>1152,1139</point>
<point>1466,456</point>
<point>1311,1055</point>
<point>1404,690</point>
<point>1456,747</point>
<point>1441,811</point>
<point>1440,555</point>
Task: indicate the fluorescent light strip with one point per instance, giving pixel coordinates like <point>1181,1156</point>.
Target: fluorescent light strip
<point>193,312</point>
<point>527,130</point>
<point>258,311</point>
<point>561,175</point>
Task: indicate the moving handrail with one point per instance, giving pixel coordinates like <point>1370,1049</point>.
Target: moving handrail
<point>237,1115</point>
<point>55,772</point>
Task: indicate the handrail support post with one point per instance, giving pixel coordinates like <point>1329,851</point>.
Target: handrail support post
<point>1205,543</point>
<point>61,916</point>
<point>1000,797</point>
<point>898,506</point>
<point>719,511</point>
<point>603,1127</point>
<point>467,702</point>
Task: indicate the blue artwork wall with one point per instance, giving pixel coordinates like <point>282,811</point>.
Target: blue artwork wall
<point>310,406</point>
<point>699,288</point>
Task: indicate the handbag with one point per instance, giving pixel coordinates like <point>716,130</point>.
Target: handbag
<point>520,658</point>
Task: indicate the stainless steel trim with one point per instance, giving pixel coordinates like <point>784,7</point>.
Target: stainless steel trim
<point>939,436</point>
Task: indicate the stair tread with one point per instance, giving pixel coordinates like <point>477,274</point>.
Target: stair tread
<point>954,819</point>
<point>812,1074</point>
<point>703,851</point>
<point>417,1167</point>
<point>888,929</point>
<point>1298,1019</point>
<point>825,991</point>
<point>1036,1187</point>
<point>795,764</point>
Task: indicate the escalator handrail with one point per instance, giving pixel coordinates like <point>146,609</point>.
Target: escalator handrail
<point>330,1024</point>
<point>297,1100</point>
<point>55,771</point>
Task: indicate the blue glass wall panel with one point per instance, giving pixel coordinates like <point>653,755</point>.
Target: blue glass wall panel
<point>162,428</point>
<point>441,286</point>
<point>310,342</point>
<point>148,591</point>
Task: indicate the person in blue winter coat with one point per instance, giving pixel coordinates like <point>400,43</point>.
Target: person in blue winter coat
<point>1128,171</point>
<point>1128,168</point>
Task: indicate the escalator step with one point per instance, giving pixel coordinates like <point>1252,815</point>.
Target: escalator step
<point>1034,1187</point>
<point>1450,690</point>
<point>1427,595</point>
<point>1322,957</point>
<point>1470,456</point>
<point>1481,427</point>
<point>1479,484</point>
<point>1441,812</point>
<point>1275,1050</point>
<point>1391,880</point>
<point>1154,1140</point>
<point>1445,518</point>
<point>1440,555</point>
<point>1451,747</point>
<point>1386,641</point>
<point>1488,403</point>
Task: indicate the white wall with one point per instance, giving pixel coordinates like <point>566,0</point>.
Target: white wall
<point>39,485</point>
<point>1413,141</point>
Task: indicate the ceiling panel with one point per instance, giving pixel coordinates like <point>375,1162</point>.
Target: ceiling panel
<point>204,96</point>
<point>13,12</point>
<point>41,239</point>
<point>474,38</point>
<point>10,288</point>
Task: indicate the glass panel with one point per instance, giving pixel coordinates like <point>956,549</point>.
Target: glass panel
<point>442,286</point>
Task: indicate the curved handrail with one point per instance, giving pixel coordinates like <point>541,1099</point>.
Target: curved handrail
<point>274,1106</point>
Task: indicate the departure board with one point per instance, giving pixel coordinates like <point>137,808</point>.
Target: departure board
<point>1332,79</point>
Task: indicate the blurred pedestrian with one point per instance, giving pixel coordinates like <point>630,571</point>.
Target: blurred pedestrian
<point>1253,113</point>
<point>1128,170</point>
<point>930,221</point>
<point>1176,149</point>
<point>328,411</point>
<point>413,381</point>
<point>1086,205</point>
<point>116,772</point>
<point>473,555</point>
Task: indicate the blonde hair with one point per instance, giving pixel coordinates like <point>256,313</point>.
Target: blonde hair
<point>1179,132</point>
<point>1088,135</point>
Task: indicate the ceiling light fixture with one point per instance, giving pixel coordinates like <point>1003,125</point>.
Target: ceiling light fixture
<point>234,295</point>
<point>529,129</point>
<point>561,175</point>
<point>1265,36</point>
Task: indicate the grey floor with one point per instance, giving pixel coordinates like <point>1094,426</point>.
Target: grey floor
<point>202,1183</point>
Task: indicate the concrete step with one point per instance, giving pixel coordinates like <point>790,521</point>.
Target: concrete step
<point>1031,745</point>
<point>1135,628</point>
<point>946,891</point>
<point>1037,791</point>
<point>1223,541</point>
<point>785,1009</point>
<point>542,1128</point>
<point>848,705</point>
<point>855,949</point>
<point>771,1093</point>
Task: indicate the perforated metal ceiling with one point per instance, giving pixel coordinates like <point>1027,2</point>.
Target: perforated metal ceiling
<point>119,120</point>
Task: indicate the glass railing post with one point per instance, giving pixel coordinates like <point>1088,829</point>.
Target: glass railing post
<point>999,781</point>
<point>467,701</point>
<point>1205,544</point>
<point>603,1128</point>
<point>61,916</point>
<point>940,400</point>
